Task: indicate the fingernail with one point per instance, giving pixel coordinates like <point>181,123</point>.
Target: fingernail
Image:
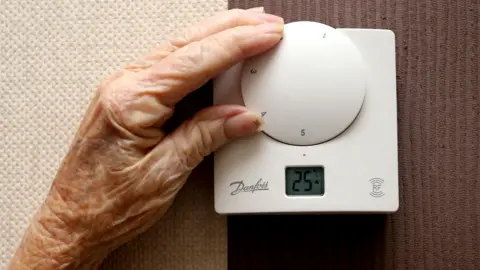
<point>271,27</point>
<point>269,18</point>
<point>257,9</point>
<point>242,125</point>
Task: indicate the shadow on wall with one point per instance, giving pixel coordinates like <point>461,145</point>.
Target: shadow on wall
<point>306,242</point>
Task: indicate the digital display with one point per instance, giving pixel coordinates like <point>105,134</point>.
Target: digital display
<point>305,181</point>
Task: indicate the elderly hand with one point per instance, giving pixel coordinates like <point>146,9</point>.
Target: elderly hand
<point>123,170</point>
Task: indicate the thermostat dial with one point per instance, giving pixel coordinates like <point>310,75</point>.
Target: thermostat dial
<point>309,88</point>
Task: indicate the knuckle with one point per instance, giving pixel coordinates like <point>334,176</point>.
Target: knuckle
<point>179,40</point>
<point>205,139</point>
<point>169,45</point>
<point>189,58</point>
<point>186,162</point>
<point>105,84</point>
<point>230,43</point>
<point>236,15</point>
<point>191,33</point>
<point>192,144</point>
<point>225,45</point>
<point>186,36</point>
<point>112,95</point>
<point>115,97</point>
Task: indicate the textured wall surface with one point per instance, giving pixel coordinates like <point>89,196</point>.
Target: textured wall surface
<point>52,56</point>
<point>54,53</point>
<point>438,224</point>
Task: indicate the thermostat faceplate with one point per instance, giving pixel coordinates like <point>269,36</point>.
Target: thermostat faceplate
<point>328,99</point>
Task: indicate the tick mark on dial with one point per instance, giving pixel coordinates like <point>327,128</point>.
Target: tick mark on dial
<point>325,35</point>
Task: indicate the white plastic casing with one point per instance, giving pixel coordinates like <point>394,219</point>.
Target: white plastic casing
<point>328,98</point>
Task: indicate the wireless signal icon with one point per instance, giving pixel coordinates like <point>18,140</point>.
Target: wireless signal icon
<point>376,187</point>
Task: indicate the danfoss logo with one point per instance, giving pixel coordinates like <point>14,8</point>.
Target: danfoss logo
<point>240,187</point>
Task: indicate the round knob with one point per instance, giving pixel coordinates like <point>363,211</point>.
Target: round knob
<point>309,88</point>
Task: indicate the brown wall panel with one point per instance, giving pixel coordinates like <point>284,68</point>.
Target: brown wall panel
<point>438,223</point>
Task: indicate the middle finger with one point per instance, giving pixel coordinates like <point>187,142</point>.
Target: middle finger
<point>210,26</point>
<point>188,68</point>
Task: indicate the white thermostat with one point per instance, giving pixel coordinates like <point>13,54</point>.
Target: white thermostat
<point>329,145</point>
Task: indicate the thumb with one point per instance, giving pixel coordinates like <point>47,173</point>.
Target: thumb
<point>209,130</point>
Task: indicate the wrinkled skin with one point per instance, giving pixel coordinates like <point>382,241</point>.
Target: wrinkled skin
<point>123,171</point>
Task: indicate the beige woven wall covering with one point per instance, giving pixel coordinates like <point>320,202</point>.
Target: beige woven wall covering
<point>53,54</point>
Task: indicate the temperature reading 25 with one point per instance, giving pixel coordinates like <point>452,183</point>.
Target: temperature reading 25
<point>304,181</point>
<point>302,177</point>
